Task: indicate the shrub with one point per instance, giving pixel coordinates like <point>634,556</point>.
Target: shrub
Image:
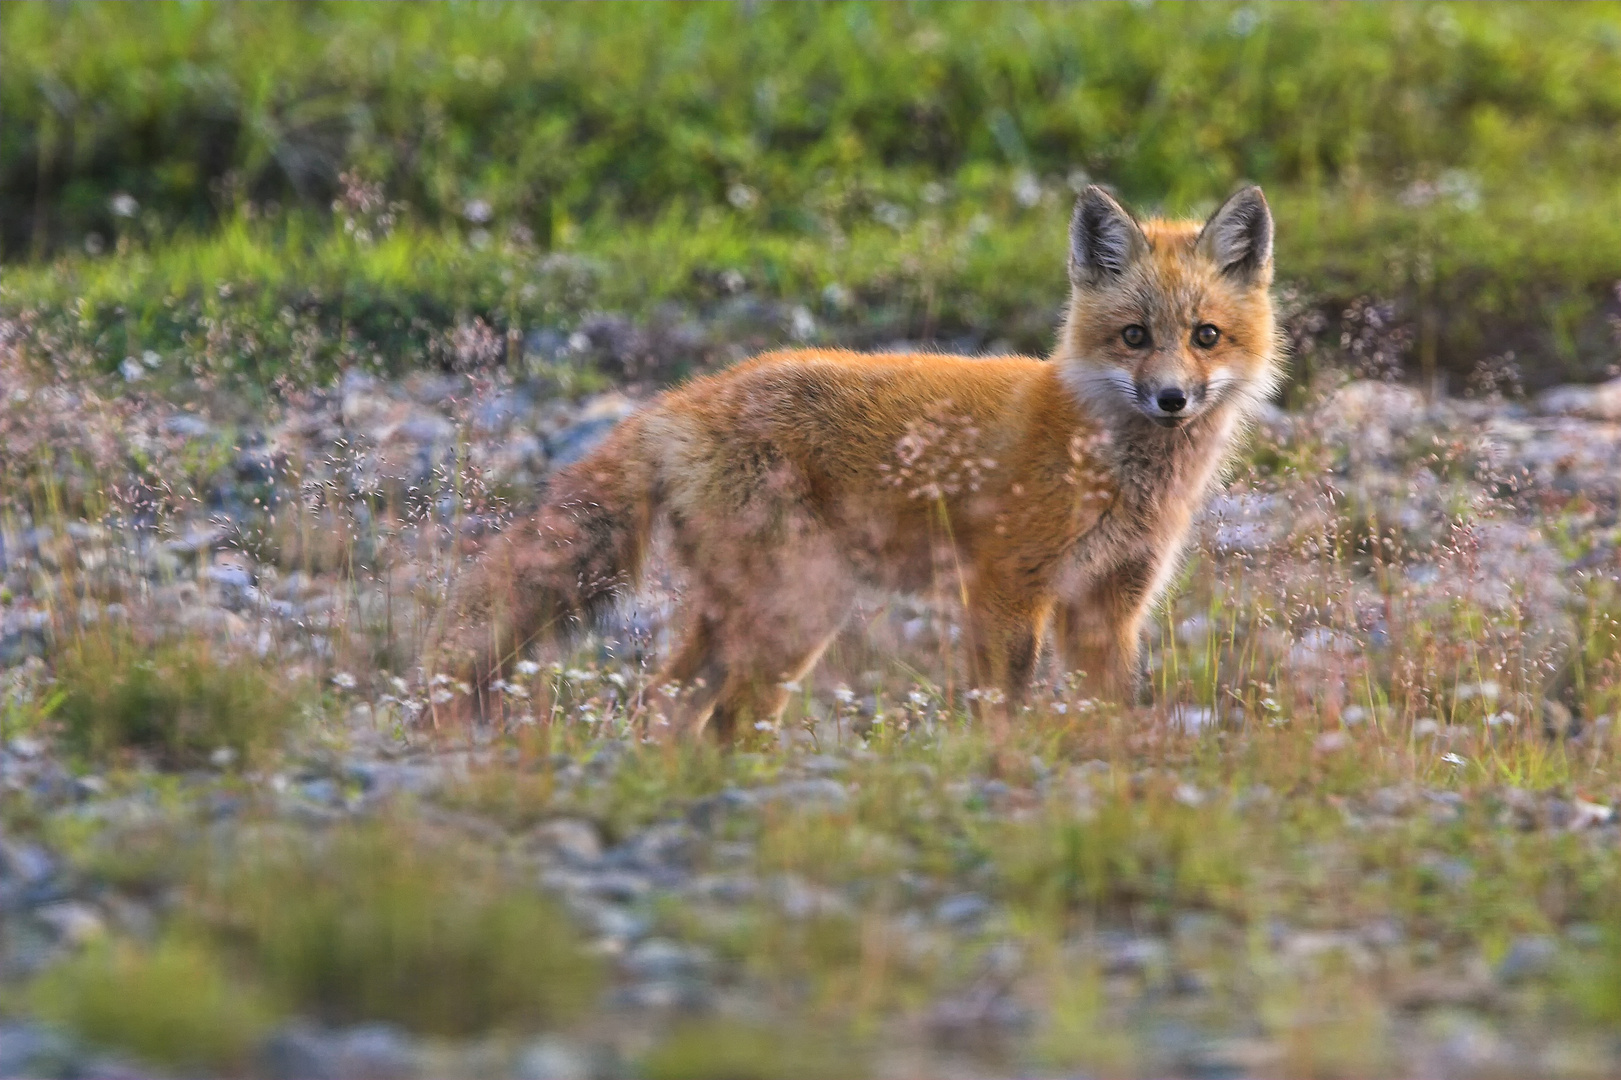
<point>374,923</point>
<point>170,1005</point>
<point>176,700</point>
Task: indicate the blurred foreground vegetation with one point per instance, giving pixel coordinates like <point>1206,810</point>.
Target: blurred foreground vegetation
<point>284,190</point>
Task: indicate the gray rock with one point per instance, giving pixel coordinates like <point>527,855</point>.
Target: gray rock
<point>615,922</point>
<point>1528,957</point>
<point>799,899</point>
<point>963,911</point>
<point>33,1050</point>
<point>663,850</point>
<point>818,791</point>
<point>378,778</point>
<point>376,1052</point>
<point>724,888</point>
<point>577,440</point>
<point>73,921</point>
<point>965,1016</point>
<point>1192,719</point>
<point>574,840</point>
<point>708,812</point>
<point>550,1058</point>
<point>28,876</point>
<point>1466,1045</point>
<point>426,428</point>
<point>1602,402</point>
<point>323,791</point>
<point>824,765</point>
<point>665,995</point>
<point>188,426</point>
<point>659,959</point>
<point>230,577</point>
<point>596,418</point>
<point>615,886</point>
<point>1135,956</point>
<point>298,1052</point>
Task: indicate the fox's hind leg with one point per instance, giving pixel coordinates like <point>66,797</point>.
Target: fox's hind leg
<point>693,677</point>
<point>757,693</point>
<point>761,618</point>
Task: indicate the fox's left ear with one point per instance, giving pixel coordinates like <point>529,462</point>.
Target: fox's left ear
<point>1238,237</point>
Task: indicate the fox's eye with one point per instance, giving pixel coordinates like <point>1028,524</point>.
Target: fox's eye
<point>1205,336</point>
<point>1135,336</point>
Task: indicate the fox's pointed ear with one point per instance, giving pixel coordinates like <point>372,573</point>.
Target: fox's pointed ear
<point>1238,237</point>
<point>1103,239</point>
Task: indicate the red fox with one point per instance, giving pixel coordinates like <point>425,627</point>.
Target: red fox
<point>1051,493</point>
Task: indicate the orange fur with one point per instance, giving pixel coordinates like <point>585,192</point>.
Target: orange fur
<point>796,478</point>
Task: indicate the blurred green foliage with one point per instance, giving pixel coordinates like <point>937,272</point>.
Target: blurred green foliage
<point>173,1004</point>
<point>1453,158</point>
<point>176,701</point>
<point>379,922</point>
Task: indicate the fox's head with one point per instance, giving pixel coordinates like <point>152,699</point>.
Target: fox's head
<point>1169,320</point>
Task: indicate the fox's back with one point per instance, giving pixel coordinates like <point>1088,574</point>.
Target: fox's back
<point>876,446</point>
<point>848,413</point>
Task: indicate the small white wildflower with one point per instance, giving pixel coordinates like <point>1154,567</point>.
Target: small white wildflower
<point>124,205</point>
<point>440,696</point>
<point>441,679</point>
<point>344,681</point>
<point>527,668</point>
<point>762,725</point>
<point>131,369</point>
<point>513,690</point>
<point>843,694</point>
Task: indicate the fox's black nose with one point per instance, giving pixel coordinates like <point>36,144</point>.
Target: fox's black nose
<point>1172,399</point>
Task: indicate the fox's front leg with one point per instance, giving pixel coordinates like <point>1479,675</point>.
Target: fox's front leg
<point>1004,639</point>
<point>1099,631</point>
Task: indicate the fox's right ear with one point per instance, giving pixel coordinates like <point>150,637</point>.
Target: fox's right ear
<point>1238,237</point>
<point>1103,239</point>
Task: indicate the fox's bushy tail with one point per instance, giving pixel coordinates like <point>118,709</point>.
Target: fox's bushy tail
<point>561,568</point>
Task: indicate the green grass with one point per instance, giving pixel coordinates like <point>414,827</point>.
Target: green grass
<point>178,701</point>
<point>734,1051</point>
<point>919,158</point>
<point>171,1004</point>
<point>382,921</point>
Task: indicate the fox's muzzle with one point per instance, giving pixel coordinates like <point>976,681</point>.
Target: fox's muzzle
<point>1169,404</point>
